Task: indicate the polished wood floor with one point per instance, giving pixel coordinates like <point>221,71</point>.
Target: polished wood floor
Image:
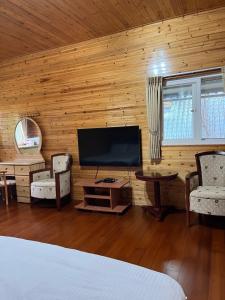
<point>194,256</point>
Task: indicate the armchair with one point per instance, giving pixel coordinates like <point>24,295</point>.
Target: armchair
<point>205,189</point>
<point>53,183</point>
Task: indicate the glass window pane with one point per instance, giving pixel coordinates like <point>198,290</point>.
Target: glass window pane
<point>213,107</point>
<point>177,111</point>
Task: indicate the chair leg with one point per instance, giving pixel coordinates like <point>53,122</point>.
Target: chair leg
<point>3,195</point>
<point>58,203</point>
<point>199,218</point>
<point>11,193</point>
<point>32,202</point>
<point>188,217</point>
<point>1,192</point>
<point>14,193</point>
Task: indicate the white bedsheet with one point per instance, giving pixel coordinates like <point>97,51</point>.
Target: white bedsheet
<point>36,271</point>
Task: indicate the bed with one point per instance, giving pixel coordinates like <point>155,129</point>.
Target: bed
<point>37,271</point>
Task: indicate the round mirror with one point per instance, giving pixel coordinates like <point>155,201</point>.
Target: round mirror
<point>28,137</point>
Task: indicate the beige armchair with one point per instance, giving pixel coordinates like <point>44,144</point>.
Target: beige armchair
<point>53,183</point>
<point>205,189</point>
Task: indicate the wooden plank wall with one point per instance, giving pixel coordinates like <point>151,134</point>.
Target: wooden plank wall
<point>101,82</point>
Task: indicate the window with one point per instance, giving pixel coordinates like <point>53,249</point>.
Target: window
<point>194,111</point>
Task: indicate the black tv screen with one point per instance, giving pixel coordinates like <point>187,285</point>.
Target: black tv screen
<point>110,146</point>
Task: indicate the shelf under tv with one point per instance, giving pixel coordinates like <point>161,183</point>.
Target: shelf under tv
<point>96,196</point>
<point>102,197</point>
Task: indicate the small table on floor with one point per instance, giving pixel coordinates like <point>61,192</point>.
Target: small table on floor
<point>156,177</point>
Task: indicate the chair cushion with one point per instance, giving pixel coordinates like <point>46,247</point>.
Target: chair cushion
<point>215,192</point>
<point>8,182</point>
<point>45,182</point>
<point>44,189</point>
<point>208,200</point>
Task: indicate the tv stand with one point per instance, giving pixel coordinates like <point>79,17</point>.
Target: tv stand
<point>103,196</point>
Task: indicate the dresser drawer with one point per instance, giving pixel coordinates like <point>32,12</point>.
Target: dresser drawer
<point>23,191</point>
<point>22,170</point>
<point>8,169</point>
<point>23,199</point>
<point>23,180</point>
<point>36,167</point>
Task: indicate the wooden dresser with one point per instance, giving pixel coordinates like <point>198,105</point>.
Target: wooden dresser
<point>20,169</point>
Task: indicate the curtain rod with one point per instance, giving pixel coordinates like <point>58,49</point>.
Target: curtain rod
<point>193,73</point>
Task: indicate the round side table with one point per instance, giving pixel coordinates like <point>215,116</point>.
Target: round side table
<point>156,177</point>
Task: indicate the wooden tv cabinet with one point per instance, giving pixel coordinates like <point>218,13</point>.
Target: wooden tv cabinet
<point>102,197</point>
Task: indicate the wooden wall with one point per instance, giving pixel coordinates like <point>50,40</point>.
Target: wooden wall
<point>101,82</point>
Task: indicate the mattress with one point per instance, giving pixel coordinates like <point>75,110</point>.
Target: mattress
<point>38,271</point>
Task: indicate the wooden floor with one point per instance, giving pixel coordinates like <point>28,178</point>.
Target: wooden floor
<point>194,256</point>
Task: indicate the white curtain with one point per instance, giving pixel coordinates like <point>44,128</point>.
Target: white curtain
<point>154,113</point>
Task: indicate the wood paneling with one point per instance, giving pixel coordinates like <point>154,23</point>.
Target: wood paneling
<point>28,26</point>
<point>194,256</point>
<point>100,83</point>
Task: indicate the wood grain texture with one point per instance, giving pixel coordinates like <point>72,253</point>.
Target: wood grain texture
<point>193,256</point>
<point>28,26</point>
<point>101,83</point>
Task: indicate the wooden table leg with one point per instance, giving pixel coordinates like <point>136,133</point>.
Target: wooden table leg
<point>158,211</point>
<point>157,195</point>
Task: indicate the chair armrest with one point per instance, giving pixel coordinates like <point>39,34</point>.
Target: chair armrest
<point>63,183</point>
<point>61,172</point>
<point>191,183</point>
<point>190,175</point>
<point>40,174</point>
<point>192,180</point>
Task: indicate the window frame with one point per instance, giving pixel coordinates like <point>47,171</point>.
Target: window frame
<point>196,110</point>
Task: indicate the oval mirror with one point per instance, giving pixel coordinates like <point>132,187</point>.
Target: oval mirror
<point>28,138</point>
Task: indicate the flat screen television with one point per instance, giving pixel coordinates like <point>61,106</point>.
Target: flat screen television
<point>110,146</point>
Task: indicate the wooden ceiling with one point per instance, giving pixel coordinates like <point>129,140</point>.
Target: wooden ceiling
<point>28,26</point>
